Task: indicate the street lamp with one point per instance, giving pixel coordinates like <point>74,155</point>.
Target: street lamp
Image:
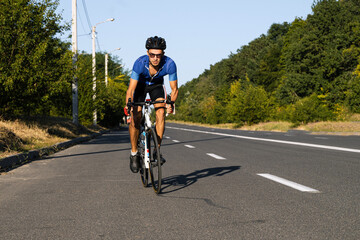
<point>106,65</point>
<point>94,65</point>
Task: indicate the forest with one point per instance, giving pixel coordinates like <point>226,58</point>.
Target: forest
<point>37,70</point>
<point>304,71</point>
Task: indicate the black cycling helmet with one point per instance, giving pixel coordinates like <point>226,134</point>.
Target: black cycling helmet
<point>155,43</point>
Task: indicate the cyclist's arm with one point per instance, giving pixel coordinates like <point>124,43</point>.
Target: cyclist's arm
<point>131,89</point>
<point>173,81</point>
<point>134,78</point>
<point>174,90</point>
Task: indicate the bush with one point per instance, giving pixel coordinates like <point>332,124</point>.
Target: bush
<point>353,95</point>
<point>311,109</point>
<point>248,104</point>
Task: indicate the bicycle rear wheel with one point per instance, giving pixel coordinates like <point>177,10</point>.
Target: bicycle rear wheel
<point>143,171</point>
<point>155,161</point>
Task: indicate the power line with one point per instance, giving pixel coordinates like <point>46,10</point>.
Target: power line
<point>82,24</point>
<point>89,22</point>
<point>87,34</point>
<point>87,15</point>
<point>97,40</point>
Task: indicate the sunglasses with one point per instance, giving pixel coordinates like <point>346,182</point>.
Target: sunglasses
<point>152,55</point>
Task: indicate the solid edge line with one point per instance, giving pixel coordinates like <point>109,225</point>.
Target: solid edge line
<point>288,183</point>
<point>273,140</point>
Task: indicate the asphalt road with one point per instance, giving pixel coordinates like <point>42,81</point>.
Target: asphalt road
<point>218,184</point>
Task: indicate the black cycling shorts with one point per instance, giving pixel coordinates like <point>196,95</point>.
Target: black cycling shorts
<point>155,91</point>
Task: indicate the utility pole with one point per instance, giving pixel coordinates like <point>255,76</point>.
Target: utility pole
<point>93,29</point>
<point>106,69</point>
<point>106,65</point>
<point>74,85</point>
<point>94,73</point>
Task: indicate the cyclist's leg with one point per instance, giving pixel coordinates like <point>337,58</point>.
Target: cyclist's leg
<point>134,129</point>
<point>134,126</point>
<point>157,93</point>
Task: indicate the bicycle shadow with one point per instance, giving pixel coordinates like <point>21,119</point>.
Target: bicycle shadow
<point>179,182</point>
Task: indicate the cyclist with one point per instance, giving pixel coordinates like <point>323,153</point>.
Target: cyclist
<point>148,77</point>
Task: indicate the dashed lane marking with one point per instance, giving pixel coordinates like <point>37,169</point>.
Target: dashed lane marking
<point>189,146</point>
<point>216,156</point>
<point>175,141</point>
<point>288,183</point>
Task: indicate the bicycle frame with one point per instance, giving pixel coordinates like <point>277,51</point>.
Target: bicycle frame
<point>147,124</point>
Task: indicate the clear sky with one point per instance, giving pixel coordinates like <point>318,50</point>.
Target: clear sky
<point>198,32</point>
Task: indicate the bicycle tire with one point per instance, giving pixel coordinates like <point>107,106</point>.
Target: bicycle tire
<point>155,164</point>
<point>143,171</point>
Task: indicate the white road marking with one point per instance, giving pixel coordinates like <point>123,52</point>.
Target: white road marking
<point>189,146</point>
<point>167,137</point>
<point>321,137</point>
<point>273,140</point>
<point>175,141</point>
<point>216,156</point>
<point>288,183</point>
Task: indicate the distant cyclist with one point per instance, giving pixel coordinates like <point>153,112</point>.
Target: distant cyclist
<point>148,77</point>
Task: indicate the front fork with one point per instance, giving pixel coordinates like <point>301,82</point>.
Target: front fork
<point>146,139</point>
<point>145,142</point>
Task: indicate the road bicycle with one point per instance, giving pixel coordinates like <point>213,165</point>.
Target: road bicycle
<point>148,148</point>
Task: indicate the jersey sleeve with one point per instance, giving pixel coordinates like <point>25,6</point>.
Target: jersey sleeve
<point>172,71</point>
<point>135,75</point>
<point>137,70</point>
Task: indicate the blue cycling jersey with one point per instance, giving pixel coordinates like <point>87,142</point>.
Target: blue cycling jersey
<point>141,71</point>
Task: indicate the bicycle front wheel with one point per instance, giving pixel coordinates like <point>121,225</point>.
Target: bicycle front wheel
<point>155,161</point>
<point>143,171</point>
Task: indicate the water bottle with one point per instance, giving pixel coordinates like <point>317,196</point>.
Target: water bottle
<point>142,137</point>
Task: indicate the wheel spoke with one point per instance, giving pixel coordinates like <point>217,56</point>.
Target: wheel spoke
<point>155,166</point>
<point>143,171</point>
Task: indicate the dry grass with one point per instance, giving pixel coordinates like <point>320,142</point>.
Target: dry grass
<point>334,128</point>
<point>31,136</point>
<point>24,134</point>
<point>269,126</point>
<point>355,118</point>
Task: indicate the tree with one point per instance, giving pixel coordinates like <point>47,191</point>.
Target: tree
<point>319,50</point>
<point>35,66</point>
<point>110,99</point>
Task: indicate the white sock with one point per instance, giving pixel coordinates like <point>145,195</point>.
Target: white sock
<point>133,153</point>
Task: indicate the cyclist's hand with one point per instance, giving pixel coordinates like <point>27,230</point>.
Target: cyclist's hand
<point>127,108</point>
<point>170,108</point>
<point>126,111</point>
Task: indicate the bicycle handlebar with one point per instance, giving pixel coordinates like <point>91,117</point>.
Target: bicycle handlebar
<point>130,104</point>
